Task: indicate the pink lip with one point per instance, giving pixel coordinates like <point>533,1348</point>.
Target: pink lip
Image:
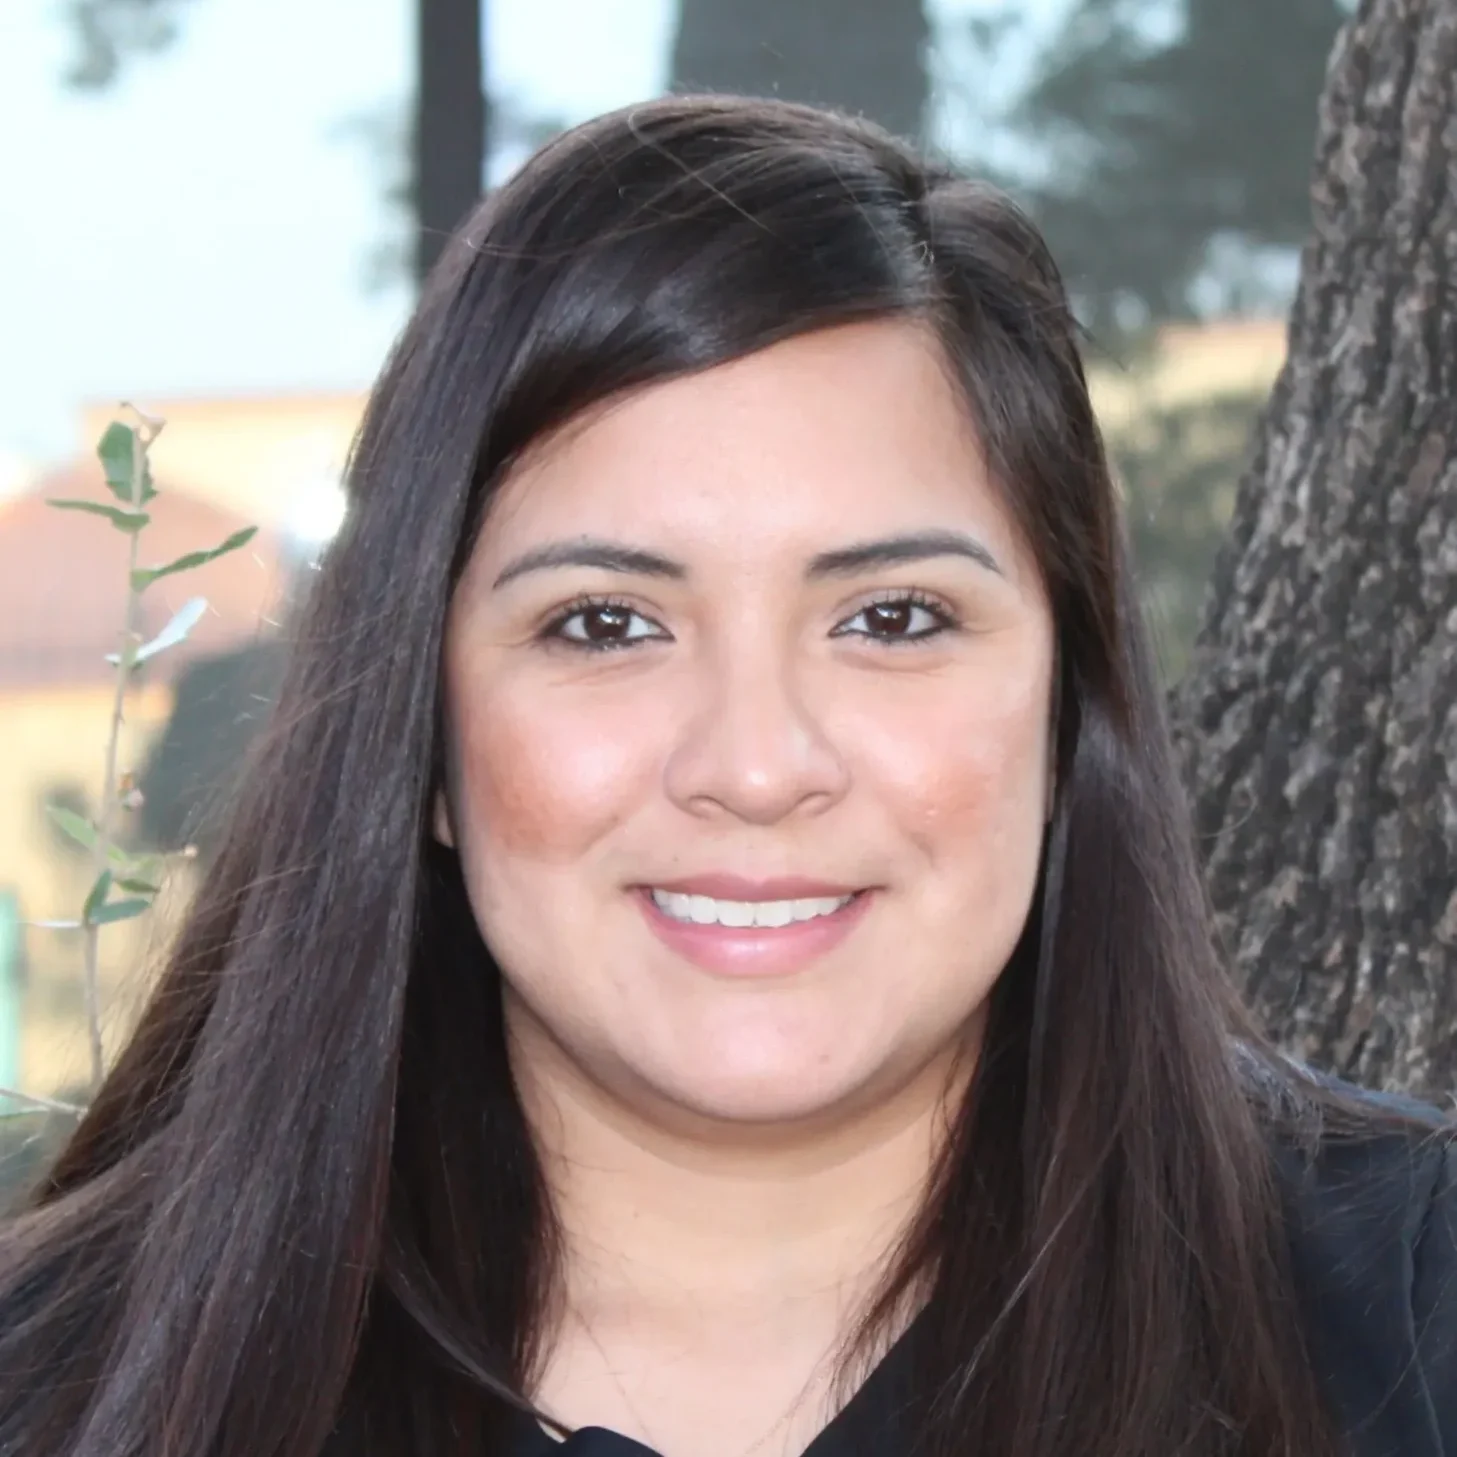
<point>754,950</point>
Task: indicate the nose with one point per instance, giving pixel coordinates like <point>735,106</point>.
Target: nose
<point>752,748</point>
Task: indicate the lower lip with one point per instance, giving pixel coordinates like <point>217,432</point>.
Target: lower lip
<point>754,950</point>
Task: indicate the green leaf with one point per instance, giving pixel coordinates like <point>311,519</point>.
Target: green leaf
<point>183,621</point>
<point>116,451</point>
<point>96,898</point>
<point>119,911</point>
<point>149,868</point>
<point>145,576</point>
<point>82,831</point>
<point>128,521</point>
<point>137,887</point>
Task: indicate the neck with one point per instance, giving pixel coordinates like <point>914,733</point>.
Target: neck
<point>664,1213</point>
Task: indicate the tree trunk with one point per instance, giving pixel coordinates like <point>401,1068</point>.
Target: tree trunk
<point>865,56</point>
<point>1318,722</point>
<point>449,132</point>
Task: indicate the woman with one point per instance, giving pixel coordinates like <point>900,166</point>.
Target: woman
<point>710,958</point>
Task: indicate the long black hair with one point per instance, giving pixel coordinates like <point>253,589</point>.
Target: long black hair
<point>304,1214</point>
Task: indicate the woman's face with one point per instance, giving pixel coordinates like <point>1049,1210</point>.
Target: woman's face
<point>732,649</point>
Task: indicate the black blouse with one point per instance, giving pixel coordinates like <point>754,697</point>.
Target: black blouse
<point>1373,1242</point>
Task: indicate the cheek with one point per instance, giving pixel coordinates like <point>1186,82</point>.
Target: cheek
<point>541,786</point>
<point>967,770</point>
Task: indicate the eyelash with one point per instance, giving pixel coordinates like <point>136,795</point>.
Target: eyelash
<point>552,632</point>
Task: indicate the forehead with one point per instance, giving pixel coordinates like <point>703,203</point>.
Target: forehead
<point>846,432</point>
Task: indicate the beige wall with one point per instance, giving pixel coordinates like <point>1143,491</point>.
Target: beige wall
<point>1188,364</point>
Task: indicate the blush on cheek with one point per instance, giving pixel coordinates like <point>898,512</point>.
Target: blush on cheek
<point>963,774</point>
<point>981,799</point>
<point>544,788</point>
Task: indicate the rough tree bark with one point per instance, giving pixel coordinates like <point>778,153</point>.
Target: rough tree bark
<point>865,56</point>
<point>1318,722</point>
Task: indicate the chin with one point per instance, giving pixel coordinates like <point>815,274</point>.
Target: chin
<point>764,1096</point>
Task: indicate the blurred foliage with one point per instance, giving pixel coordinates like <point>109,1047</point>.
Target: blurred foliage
<point>108,31</point>
<point>1176,145</point>
<point>865,56</point>
<point>1178,468</point>
<point>1169,141</point>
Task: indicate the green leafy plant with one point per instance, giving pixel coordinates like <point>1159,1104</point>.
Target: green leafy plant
<point>124,884</point>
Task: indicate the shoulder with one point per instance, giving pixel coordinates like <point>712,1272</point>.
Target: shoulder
<point>1371,1214</point>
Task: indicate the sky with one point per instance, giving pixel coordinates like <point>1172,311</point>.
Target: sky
<point>205,225</point>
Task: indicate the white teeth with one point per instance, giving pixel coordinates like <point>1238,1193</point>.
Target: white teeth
<point>706,911</point>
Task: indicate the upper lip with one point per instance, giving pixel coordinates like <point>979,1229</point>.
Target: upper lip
<point>723,886</point>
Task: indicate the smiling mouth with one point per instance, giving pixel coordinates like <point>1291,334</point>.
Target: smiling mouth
<point>753,938</point>
<point>705,910</point>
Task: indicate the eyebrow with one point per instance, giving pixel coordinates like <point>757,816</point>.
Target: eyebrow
<point>845,561</point>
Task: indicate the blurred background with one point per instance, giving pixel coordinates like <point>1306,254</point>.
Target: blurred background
<point>219,209</point>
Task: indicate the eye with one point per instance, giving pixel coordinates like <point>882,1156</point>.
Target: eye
<point>599,624</point>
<point>894,621</point>
<point>602,624</point>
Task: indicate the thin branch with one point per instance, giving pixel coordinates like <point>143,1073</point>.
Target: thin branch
<point>105,820</point>
<point>49,1105</point>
